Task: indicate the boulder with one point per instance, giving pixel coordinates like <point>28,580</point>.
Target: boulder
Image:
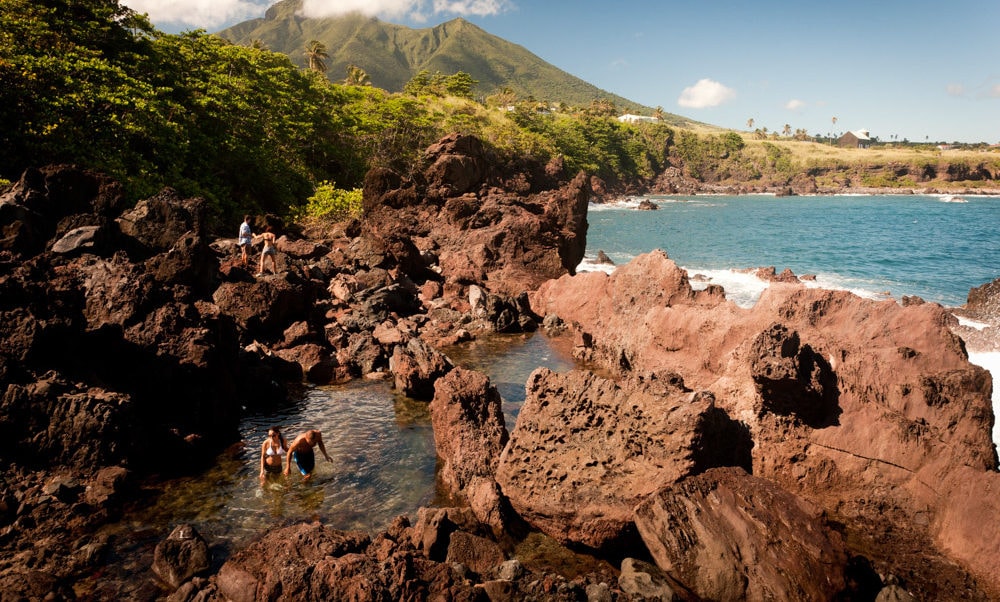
<point>182,555</point>
<point>157,223</point>
<point>416,367</point>
<point>730,536</point>
<point>585,450</point>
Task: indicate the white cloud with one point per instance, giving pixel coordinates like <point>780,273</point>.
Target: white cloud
<point>414,9</point>
<point>705,93</point>
<point>995,91</point>
<point>795,104</point>
<point>213,14</point>
<point>956,90</point>
<point>206,14</point>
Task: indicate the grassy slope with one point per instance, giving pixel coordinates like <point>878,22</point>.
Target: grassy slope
<point>880,162</point>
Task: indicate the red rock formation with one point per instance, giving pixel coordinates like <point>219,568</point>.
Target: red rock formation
<point>478,231</point>
<point>867,409</point>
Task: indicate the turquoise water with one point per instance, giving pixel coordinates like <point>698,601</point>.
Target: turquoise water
<point>873,245</point>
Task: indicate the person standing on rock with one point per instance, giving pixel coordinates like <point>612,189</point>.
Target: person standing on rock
<point>246,239</point>
<point>272,453</point>
<point>270,251</point>
<point>301,450</point>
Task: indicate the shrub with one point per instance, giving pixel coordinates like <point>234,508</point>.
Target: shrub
<point>330,202</point>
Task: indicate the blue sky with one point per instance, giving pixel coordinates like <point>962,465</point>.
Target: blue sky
<point>907,69</point>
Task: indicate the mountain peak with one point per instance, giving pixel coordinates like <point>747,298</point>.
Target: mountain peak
<point>393,54</point>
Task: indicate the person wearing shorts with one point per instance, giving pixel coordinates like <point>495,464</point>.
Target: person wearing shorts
<point>246,239</point>
<point>301,452</point>
<point>270,251</point>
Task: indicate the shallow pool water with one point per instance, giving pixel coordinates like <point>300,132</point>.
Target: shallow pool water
<point>384,462</point>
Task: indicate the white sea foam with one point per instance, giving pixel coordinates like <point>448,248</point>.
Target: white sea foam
<point>742,288</point>
<point>971,323</point>
<point>991,362</point>
<point>590,265</point>
<point>615,205</point>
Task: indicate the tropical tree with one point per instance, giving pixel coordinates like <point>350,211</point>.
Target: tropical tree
<point>787,130</point>
<point>356,76</point>
<point>658,113</point>
<point>602,107</point>
<point>750,123</point>
<point>316,55</point>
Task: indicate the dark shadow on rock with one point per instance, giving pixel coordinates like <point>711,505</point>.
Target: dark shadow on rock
<point>793,379</point>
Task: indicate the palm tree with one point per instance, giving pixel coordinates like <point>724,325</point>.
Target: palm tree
<point>316,55</point>
<point>834,121</point>
<point>787,130</point>
<point>658,113</point>
<point>750,123</point>
<point>356,76</point>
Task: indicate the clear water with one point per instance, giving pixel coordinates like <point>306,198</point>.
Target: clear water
<point>384,463</point>
<point>382,447</point>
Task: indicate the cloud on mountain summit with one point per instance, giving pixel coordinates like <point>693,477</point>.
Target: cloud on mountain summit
<point>417,10</point>
<point>214,14</point>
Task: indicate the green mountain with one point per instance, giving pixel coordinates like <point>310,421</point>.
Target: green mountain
<point>392,54</point>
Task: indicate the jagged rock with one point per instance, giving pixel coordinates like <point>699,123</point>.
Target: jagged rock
<point>899,449</point>
<point>157,223</point>
<point>481,234</point>
<point>469,429</point>
<point>416,367</point>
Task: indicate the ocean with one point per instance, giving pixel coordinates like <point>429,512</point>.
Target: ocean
<point>877,246</point>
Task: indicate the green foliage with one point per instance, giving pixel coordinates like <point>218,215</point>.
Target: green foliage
<point>886,180</point>
<point>779,159</point>
<point>330,202</point>
<point>459,84</point>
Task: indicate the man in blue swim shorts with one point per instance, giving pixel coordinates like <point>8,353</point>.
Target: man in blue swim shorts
<point>301,451</point>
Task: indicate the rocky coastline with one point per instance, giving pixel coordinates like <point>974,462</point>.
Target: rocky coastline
<point>816,446</point>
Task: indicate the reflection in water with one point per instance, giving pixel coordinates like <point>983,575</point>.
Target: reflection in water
<point>508,360</point>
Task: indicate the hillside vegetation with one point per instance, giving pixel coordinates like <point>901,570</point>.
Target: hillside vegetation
<point>90,82</point>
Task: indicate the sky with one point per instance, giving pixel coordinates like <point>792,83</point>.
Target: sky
<point>919,70</point>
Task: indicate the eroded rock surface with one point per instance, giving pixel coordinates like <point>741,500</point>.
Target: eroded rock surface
<point>869,410</point>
